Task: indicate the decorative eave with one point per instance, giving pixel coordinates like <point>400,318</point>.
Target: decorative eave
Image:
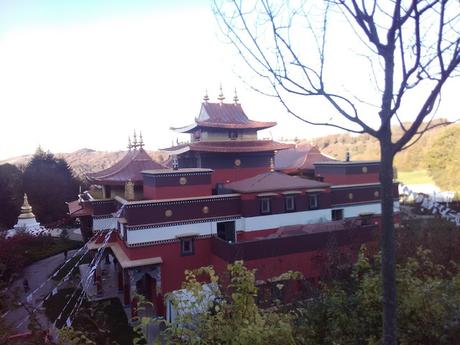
<point>228,146</point>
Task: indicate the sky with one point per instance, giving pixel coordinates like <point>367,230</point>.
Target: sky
<point>87,73</point>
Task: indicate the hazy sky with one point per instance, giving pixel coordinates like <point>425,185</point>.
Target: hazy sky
<point>86,73</point>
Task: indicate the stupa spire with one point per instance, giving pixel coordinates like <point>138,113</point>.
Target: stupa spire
<point>26,209</point>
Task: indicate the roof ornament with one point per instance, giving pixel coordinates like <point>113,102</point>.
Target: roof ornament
<point>221,96</point>
<point>135,140</point>
<point>347,156</point>
<point>129,143</point>
<point>129,190</point>
<point>272,164</point>
<point>141,140</point>
<point>206,97</point>
<point>175,163</point>
<point>235,98</point>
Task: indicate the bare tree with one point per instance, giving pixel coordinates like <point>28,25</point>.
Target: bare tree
<point>408,50</point>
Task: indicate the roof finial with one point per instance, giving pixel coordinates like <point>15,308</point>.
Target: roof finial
<point>206,97</point>
<point>175,162</point>
<point>221,96</point>
<point>134,140</point>
<point>141,140</point>
<point>272,164</point>
<point>129,143</point>
<point>235,98</point>
<point>347,156</point>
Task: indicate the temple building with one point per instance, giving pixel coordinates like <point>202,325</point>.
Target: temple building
<point>227,197</point>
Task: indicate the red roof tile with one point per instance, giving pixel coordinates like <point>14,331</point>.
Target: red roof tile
<point>273,181</point>
<point>229,146</point>
<point>299,159</point>
<point>128,168</point>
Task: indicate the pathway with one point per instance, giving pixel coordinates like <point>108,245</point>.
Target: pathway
<point>36,274</point>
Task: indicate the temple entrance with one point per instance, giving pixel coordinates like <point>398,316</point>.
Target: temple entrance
<point>147,287</point>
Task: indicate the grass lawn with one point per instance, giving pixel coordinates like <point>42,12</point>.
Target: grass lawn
<point>49,248</point>
<point>415,177</point>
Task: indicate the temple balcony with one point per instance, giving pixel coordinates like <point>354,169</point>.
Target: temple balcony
<point>297,239</point>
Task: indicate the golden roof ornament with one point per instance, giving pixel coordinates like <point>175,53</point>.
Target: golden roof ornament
<point>134,140</point>
<point>26,209</point>
<point>272,164</point>
<point>141,140</point>
<point>129,143</point>
<point>235,98</point>
<point>221,96</point>
<point>129,190</point>
<point>206,97</point>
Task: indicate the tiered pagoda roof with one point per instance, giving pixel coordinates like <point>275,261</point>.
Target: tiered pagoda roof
<point>296,159</point>
<point>128,168</point>
<point>224,115</point>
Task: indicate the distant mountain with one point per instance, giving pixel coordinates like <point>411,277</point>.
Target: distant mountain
<point>437,151</point>
<point>86,160</point>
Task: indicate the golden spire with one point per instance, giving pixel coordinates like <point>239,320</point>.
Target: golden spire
<point>206,97</point>
<point>221,96</point>
<point>141,140</point>
<point>235,98</point>
<point>26,209</point>
<point>272,164</point>
<point>129,143</point>
<point>129,190</point>
<point>134,140</point>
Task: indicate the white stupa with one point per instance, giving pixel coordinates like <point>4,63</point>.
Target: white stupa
<point>26,220</point>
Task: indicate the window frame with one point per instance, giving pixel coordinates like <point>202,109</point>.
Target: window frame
<point>337,210</point>
<point>267,210</point>
<point>287,199</point>
<point>189,252</point>
<point>316,203</point>
<point>233,135</point>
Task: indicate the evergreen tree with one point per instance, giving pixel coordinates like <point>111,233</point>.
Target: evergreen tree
<point>10,195</point>
<point>49,183</point>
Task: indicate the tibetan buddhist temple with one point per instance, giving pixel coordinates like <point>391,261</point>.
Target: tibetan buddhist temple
<point>227,196</point>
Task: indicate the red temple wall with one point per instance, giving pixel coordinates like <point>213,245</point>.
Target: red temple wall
<point>175,192</point>
<point>342,179</point>
<point>236,174</point>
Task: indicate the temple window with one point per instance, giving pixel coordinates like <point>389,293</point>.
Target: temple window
<point>337,214</point>
<point>265,205</point>
<point>233,135</point>
<point>187,246</point>
<point>289,203</point>
<point>313,201</point>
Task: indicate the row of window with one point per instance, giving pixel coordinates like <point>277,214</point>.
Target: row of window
<point>289,203</point>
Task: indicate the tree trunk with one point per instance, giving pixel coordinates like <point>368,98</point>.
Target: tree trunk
<point>388,243</point>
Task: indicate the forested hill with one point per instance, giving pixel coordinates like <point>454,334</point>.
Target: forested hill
<point>86,160</point>
<point>437,152</point>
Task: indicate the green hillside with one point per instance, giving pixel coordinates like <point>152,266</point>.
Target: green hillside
<point>435,157</point>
